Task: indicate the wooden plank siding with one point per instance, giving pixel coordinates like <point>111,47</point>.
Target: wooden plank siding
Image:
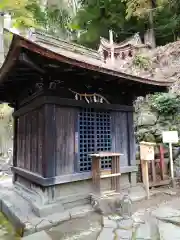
<point>47,144</point>
<point>131,139</point>
<point>119,128</point>
<point>29,141</point>
<point>65,144</point>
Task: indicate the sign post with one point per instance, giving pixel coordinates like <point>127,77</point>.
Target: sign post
<point>170,137</point>
<point>146,155</point>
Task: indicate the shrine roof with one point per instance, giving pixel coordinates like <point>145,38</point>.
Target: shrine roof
<point>160,63</point>
<point>134,41</point>
<point>70,53</point>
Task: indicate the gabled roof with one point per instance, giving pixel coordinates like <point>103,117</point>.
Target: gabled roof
<point>73,54</point>
<point>134,41</point>
<point>163,63</point>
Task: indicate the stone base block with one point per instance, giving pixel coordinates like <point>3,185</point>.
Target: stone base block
<point>36,236</point>
<point>32,208</point>
<point>106,204</point>
<point>20,213</point>
<point>133,179</point>
<point>37,201</point>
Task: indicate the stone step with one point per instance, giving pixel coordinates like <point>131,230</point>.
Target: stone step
<point>38,236</point>
<point>168,231</point>
<point>106,234</point>
<point>143,231</point>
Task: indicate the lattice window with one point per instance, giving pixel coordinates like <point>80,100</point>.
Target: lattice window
<point>94,136</point>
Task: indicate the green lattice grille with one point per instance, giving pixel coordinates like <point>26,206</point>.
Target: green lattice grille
<point>94,136</point>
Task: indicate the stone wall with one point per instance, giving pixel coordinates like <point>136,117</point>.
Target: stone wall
<point>149,126</point>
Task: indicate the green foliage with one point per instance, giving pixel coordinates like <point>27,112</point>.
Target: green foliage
<point>141,61</point>
<point>141,8</point>
<point>22,17</point>
<point>50,19</point>
<point>95,18</point>
<point>30,13</point>
<point>165,103</point>
<point>8,228</point>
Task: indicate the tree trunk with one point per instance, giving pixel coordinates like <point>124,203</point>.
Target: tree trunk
<point>151,29</point>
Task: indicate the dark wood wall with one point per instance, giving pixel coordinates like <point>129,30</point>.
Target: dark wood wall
<point>46,139</point>
<point>30,130</point>
<point>65,144</point>
<point>123,140</point>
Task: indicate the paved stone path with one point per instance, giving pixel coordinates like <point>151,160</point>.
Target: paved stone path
<point>156,223</point>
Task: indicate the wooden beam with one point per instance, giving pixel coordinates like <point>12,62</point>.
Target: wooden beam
<point>39,101</point>
<point>35,178</point>
<point>27,61</point>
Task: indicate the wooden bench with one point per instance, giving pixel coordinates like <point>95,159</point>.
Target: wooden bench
<point>113,173</point>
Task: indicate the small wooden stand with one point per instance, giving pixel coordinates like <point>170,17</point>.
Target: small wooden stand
<point>146,154</point>
<point>113,173</point>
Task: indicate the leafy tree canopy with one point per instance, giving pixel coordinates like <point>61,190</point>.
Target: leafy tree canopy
<point>20,14</point>
<point>125,17</point>
<point>96,17</point>
<point>30,13</point>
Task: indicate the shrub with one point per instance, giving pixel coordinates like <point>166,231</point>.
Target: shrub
<point>165,103</point>
<point>141,61</point>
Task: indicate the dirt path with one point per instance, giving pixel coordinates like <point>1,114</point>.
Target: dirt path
<point>159,198</point>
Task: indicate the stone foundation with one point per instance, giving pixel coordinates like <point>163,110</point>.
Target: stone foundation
<point>49,200</point>
<point>32,208</point>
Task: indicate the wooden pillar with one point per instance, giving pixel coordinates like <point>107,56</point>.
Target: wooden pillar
<point>161,149</point>
<point>131,148</point>
<point>131,139</point>
<point>49,158</point>
<point>146,155</point>
<point>145,174</point>
<point>15,129</point>
<point>98,173</point>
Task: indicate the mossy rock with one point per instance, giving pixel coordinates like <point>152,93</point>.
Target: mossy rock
<point>141,132</point>
<point>149,137</point>
<point>146,119</point>
<point>165,118</point>
<point>138,155</point>
<point>158,138</point>
<point>7,229</point>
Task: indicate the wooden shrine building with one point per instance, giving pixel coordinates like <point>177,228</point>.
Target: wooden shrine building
<point>124,50</point>
<point>67,104</point>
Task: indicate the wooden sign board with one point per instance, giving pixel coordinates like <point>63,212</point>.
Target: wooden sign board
<point>147,151</point>
<point>170,137</point>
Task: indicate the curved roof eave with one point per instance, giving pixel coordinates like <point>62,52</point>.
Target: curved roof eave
<point>11,57</point>
<point>68,57</point>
